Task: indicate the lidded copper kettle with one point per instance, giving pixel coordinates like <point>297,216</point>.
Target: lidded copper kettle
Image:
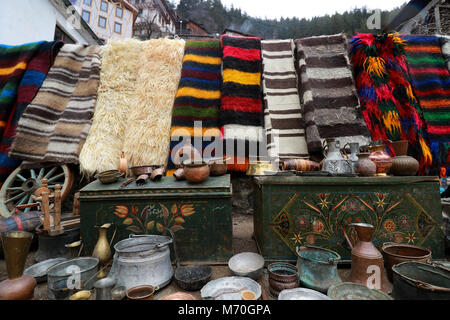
<point>367,260</point>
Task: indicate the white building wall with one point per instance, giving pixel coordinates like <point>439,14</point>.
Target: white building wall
<point>25,21</point>
<point>108,32</point>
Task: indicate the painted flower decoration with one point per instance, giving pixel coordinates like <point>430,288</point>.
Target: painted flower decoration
<point>389,225</point>
<point>121,211</point>
<point>187,210</point>
<point>318,226</point>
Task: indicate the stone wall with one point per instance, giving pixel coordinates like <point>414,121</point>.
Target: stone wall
<point>243,197</point>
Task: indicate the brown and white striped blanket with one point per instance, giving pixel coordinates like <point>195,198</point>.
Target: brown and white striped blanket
<point>282,111</point>
<point>330,102</point>
<point>55,125</point>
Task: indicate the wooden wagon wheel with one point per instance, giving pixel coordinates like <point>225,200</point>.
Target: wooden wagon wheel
<point>22,183</point>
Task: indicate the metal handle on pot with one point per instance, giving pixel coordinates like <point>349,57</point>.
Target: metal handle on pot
<point>172,234</point>
<point>158,245</point>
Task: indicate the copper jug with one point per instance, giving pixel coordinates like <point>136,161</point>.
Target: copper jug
<point>367,260</point>
<point>18,286</point>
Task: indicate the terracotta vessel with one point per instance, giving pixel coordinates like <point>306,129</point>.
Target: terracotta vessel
<point>141,293</point>
<point>402,164</point>
<point>179,175</point>
<point>102,250</point>
<point>218,167</point>
<point>300,165</point>
<point>187,152</point>
<point>16,245</point>
<point>367,261</point>
<point>382,159</point>
<point>397,253</point>
<point>196,172</point>
<point>365,166</point>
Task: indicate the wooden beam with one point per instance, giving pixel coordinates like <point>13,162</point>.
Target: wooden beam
<point>437,17</point>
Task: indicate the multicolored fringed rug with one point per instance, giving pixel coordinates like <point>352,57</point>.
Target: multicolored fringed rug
<point>445,46</point>
<point>431,80</point>
<point>330,102</point>
<point>389,107</point>
<point>36,71</point>
<point>55,125</point>
<point>241,112</point>
<point>197,101</point>
<point>282,111</point>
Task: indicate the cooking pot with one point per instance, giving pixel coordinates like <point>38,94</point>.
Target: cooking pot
<point>143,260</point>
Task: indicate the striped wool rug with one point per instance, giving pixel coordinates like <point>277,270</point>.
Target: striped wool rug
<point>282,111</point>
<point>388,103</point>
<point>36,71</point>
<point>13,64</point>
<point>55,125</point>
<point>431,80</point>
<point>330,102</point>
<point>241,112</point>
<point>445,46</point>
<point>197,98</point>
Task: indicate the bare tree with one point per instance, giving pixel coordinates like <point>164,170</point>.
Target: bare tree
<point>149,26</point>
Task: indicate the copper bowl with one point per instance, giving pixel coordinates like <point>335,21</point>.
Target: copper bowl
<point>218,166</point>
<point>179,296</point>
<point>196,172</point>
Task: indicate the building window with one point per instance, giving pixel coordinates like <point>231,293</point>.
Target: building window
<point>140,11</point>
<point>62,36</point>
<point>104,6</point>
<point>119,12</point>
<point>117,28</point>
<point>87,2</point>
<point>86,16</point>
<point>101,21</point>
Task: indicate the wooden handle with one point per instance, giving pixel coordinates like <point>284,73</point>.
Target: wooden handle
<point>57,209</point>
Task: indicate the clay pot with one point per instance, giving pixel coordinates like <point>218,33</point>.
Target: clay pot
<point>218,167</point>
<point>196,172</point>
<point>141,293</point>
<point>382,160</point>
<point>179,175</point>
<point>300,165</point>
<point>402,164</point>
<point>365,166</point>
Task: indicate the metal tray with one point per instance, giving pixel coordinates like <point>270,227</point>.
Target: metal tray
<point>39,270</point>
<point>302,294</point>
<point>229,288</point>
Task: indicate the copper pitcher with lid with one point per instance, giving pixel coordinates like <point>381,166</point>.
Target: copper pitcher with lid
<point>367,260</point>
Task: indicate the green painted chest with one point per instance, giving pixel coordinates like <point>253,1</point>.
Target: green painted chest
<point>199,215</point>
<point>294,211</point>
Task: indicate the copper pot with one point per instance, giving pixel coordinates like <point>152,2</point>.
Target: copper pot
<point>300,165</point>
<point>179,296</point>
<point>382,159</point>
<point>397,253</point>
<point>282,276</point>
<point>196,172</point>
<point>218,167</point>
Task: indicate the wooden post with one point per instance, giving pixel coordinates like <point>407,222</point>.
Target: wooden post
<point>76,204</point>
<point>46,209</point>
<point>57,208</point>
<point>437,17</point>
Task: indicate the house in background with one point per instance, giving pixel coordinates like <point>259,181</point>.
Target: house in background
<point>155,19</point>
<point>25,21</point>
<point>191,29</point>
<point>423,17</point>
<point>109,19</point>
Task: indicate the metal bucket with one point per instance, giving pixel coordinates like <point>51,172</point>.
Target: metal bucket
<point>142,260</point>
<point>317,268</point>
<point>65,278</point>
<point>421,281</point>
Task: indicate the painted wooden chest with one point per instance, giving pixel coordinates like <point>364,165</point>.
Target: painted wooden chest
<point>294,211</point>
<point>200,215</point>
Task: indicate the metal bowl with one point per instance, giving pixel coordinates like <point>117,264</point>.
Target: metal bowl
<point>247,264</point>
<point>353,291</point>
<point>229,288</point>
<point>39,270</point>
<point>302,294</point>
<point>109,177</point>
